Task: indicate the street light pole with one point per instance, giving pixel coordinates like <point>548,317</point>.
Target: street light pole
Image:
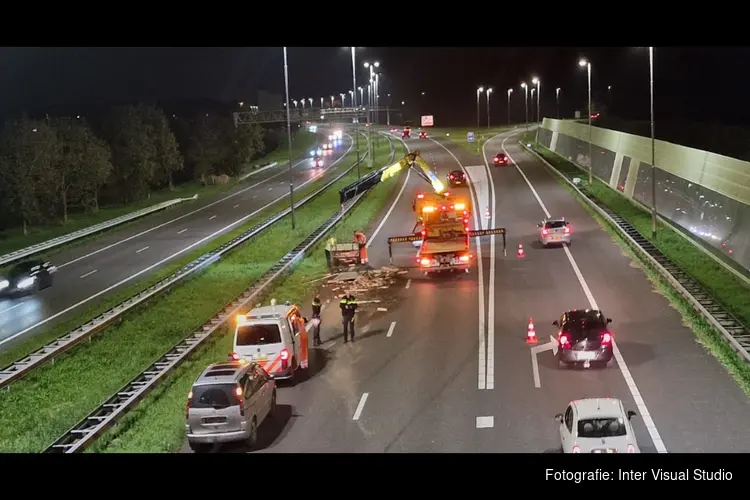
<point>354,105</point>
<point>510,91</point>
<point>343,96</point>
<point>321,102</point>
<point>526,103</point>
<point>489,93</point>
<point>479,92</point>
<point>289,136</point>
<point>538,83</point>
<point>557,100</point>
<point>587,64</point>
<point>653,143</point>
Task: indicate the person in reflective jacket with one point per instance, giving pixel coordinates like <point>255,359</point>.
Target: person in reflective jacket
<point>330,245</point>
<point>348,308</point>
<point>316,306</point>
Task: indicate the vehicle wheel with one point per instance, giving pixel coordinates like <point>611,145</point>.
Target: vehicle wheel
<point>467,271</point>
<point>200,447</point>
<point>569,243</point>
<point>562,365</point>
<point>252,438</point>
<point>272,411</point>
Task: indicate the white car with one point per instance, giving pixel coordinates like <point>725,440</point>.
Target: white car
<point>597,425</point>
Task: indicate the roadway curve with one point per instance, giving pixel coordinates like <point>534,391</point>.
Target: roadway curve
<point>101,266</point>
<point>457,353</point>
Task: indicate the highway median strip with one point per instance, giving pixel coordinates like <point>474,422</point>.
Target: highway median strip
<point>724,286</point>
<point>81,380</point>
<point>157,424</point>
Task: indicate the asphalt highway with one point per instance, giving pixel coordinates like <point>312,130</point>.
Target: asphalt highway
<point>120,257</point>
<point>446,367</point>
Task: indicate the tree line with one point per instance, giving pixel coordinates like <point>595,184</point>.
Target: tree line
<point>52,167</point>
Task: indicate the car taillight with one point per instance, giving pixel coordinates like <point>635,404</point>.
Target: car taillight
<point>187,405</point>
<point>423,232</point>
<point>576,449</point>
<point>420,196</point>
<point>606,338</point>
<point>238,393</point>
<point>451,176</point>
<point>234,356</point>
<point>631,448</point>
<point>567,230</point>
<point>425,262</point>
<point>545,232</point>
<point>464,258</point>
<point>564,340</point>
<point>284,355</point>
<point>497,160</point>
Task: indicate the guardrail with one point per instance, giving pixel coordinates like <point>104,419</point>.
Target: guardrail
<point>733,331</point>
<point>18,369</point>
<point>261,169</point>
<point>87,231</point>
<point>85,432</point>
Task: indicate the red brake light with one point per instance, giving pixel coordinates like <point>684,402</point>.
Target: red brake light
<point>284,354</point>
<point>423,232</point>
<point>631,448</point>
<point>606,338</point>
<point>235,356</point>
<point>564,340</point>
<point>189,402</point>
<point>576,449</point>
<point>464,258</point>
<point>425,262</point>
<point>567,230</point>
<point>451,176</point>
<point>442,208</point>
<point>545,231</point>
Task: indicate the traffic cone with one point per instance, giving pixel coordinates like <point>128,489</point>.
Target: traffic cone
<point>531,333</point>
<point>520,253</point>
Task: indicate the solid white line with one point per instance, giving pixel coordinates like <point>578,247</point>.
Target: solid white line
<point>142,249</point>
<point>331,345</point>
<point>149,268</point>
<point>485,422</point>
<point>237,205</point>
<point>408,283</point>
<point>255,196</point>
<point>535,369</point>
<point>181,231</point>
<point>11,307</point>
<point>360,406</point>
<point>87,274</point>
<point>392,327</point>
<point>175,219</point>
<point>212,217</point>
<point>393,205</point>
<point>482,368</point>
<point>640,403</point>
<point>270,189</point>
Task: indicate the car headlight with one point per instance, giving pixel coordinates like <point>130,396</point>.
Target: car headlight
<point>26,282</point>
<point>4,284</point>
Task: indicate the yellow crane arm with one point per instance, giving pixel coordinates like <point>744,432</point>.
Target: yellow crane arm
<point>414,160</point>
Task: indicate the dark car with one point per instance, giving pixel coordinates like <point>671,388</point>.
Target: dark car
<point>423,135</point>
<point>583,339</point>
<point>501,159</point>
<point>26,277</point>
<point>317,162</point>
<point>456,178</point>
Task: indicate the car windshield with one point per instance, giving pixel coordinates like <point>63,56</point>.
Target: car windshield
<point>555,224</point>
<point>601,427</point>
<point>501,155</point>
<point>217,396</point>
<point>584,324</point>
<point>258,334</point>
<point>22,269</point>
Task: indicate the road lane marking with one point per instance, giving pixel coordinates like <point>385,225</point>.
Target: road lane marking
<point>360,406</point>
<point>270,189</point>
<point>629,381</point>
<point>485,422</point>
<point>255,196</point>
<point>237,205</point>
<point>181,231</point>
<point>536,351</point>
<point>152,266</point>
<point>142,249</point>
<point>482,363</point>
<point>408,283</point>
<point>212,217</point>
<point>12,307</point>
<point>330,345</point>
<point>87,274</point>
<point>392,327</point>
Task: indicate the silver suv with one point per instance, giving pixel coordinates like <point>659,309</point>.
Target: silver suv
<point>228,403</point>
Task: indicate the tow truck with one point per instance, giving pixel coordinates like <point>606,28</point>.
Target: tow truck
<point>433,204</point>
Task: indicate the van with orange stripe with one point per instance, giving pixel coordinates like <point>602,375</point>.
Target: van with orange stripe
<point>275,337</point>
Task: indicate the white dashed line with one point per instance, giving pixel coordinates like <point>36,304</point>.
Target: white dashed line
<point>330,345</point>
<point>142,249</point>
<point>181,231</point>
<point>270,189</point>
<point>392,327</point>
<point>237,205</point>
<point>255,196</point>
<point>408,283</point>
<point>360,406</point>
<point>485,422</point>
<point>87,274</point>
<point>645,415</point>
<point>212,217</point>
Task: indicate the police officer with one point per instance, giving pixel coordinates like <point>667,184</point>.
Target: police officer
<point>348,308</point>
<point>330,244</point>
<point>316,315</point>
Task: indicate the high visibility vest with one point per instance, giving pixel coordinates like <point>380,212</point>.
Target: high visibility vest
<point>330,244</point>
<point>360,238</point>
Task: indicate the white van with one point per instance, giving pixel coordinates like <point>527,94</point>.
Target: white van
<point>275,337</point>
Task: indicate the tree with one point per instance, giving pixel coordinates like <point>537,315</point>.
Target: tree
<point>29,152</point>
<point>84,166</point>
<point>245,144</point>
<point>133,151</point>
<point>207,149</point>
<point>168,158</point>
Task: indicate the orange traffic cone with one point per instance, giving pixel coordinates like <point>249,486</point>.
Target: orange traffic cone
<point>531,333</point>
<point>520,253</point>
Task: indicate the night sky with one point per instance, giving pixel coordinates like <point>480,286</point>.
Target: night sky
<point>34,79</point>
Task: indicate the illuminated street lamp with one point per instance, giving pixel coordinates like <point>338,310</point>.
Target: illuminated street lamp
<point>351,96</point>
<point>586,64</point>
<point>536,81</point>
<point>526,105</point>
<point>295,104</point>
<point>510,91</point>
<point>361,95</point>
<point>310,99</point>
<point>489,93</point>
<point>322,99</point>
<point>289,135</point>
<point>343,96</point>
<point>303,102</point>
<point>479,92</point>
<point>557,100</point>
<point>332,101</point>
<point>653,142</point>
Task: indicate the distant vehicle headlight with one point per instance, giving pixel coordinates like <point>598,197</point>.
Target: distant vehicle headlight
<point>26,282</point>
<point>312,153</point>
<point>4,284</point>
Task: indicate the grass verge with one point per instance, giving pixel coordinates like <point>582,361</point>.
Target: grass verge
<point>459,136</point>
<point>157,424</point>
<point>677,250</point>
<point>40,407</point>
<point>26,346</point>
<point>13,239</point>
